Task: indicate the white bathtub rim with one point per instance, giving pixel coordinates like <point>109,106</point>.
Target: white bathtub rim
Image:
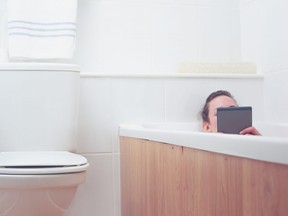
<point>264,148</point>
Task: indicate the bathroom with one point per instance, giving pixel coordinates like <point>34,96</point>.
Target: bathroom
<point>129,53</point>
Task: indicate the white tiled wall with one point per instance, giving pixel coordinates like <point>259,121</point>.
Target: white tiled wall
<point>95,196</point>
<point>148,36</point>
<point>95,97</point>
<point>107,102</point>
<point>251,28</point>
<point>264,40</point>
<point>184,97</point>
<point>276,103</point>
<point>155,36</point>
<point>3,30</point>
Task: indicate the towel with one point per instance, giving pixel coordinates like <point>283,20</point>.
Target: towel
<point>41,29</point>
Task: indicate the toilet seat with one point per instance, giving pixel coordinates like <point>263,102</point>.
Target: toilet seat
<point>41,162</point>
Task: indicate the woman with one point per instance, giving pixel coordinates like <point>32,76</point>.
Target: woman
<point>217,99</point>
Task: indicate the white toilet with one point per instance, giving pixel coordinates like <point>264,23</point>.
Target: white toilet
<point>39,174</point>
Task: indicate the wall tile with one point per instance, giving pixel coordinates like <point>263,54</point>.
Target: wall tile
<point>220,34</point>
<point>117,189</point>
<point>136,101</point>
<point>3,5</point>
<point>95,196</point>
<point>95,120</point>
<point>247,92</point>
<point>3,28</point>
<point>185,98</point>
<point>251,39</point>
<point>276,104</point>
<point>119,40</point>
<point>245,2</point>
<point>175,38</point>
<point>219,2</point>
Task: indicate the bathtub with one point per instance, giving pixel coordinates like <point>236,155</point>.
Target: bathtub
<point>272,146</point>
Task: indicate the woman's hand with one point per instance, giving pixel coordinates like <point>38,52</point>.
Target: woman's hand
<point>250,130</point>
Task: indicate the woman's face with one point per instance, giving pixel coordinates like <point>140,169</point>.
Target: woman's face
<point>220,101</point>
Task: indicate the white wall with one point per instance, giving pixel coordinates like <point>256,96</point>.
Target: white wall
<point>148,37</point>
<point>264,40</point>
<point>155,36</point>
<point>107,102</point>
<point>3,30</point>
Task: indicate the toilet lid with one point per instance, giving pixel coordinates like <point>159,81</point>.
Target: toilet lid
<point>41,162</point>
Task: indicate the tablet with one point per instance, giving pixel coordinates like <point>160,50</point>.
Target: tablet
<point>232,120</point>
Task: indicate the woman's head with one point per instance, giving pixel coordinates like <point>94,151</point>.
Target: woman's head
<point>217,99</point>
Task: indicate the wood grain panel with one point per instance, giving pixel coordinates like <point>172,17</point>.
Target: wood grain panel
<point>166,180</point>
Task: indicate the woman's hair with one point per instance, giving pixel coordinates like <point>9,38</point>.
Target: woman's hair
<point>205,111</point>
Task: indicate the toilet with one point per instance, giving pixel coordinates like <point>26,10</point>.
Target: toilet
<point>39,169</point>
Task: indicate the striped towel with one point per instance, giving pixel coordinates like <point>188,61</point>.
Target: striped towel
<point>41,29</point>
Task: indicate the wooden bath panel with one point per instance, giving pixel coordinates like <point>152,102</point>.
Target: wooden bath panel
<point>167,180</point>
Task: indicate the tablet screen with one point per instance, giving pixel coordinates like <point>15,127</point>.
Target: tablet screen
<point>232,120</point>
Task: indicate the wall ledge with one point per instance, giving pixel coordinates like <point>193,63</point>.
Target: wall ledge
<point>173,75</point>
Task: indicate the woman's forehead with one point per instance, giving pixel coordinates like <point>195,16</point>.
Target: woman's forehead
<point>222,101</point>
